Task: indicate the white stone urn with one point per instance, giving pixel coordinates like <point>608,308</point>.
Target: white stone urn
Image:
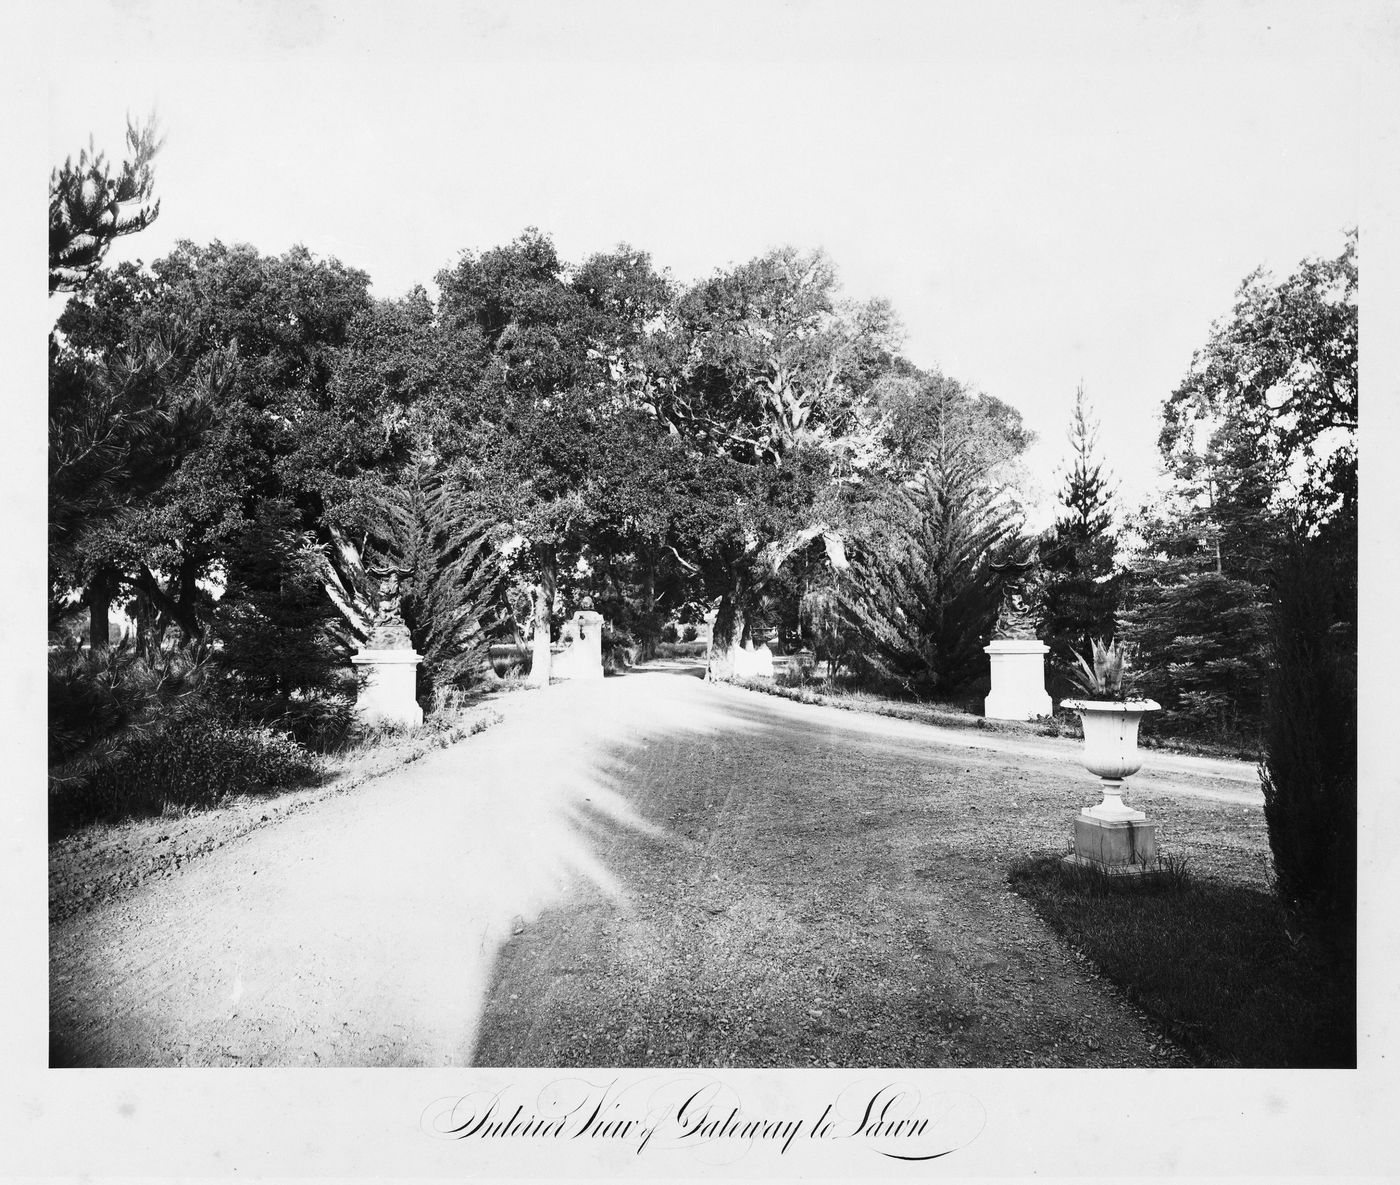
<point>1111,749</point>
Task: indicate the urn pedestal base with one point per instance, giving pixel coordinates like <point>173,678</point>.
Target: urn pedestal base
<point>1114,845</point>
<point>388,694</point>
<point>1018,680</point>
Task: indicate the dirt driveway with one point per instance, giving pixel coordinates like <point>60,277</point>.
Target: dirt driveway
<point>647,871</point>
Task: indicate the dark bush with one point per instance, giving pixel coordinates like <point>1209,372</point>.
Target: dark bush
<point>688,634</point>
<point>100,702</point>
<point>321,722</point>
<point>1309,768</point>
<point>274,622</point>
<point>669,634</point>
<point>619,650</point>
<point>196,758</point>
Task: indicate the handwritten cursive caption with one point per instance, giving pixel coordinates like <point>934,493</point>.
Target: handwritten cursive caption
<point>892,1120</point>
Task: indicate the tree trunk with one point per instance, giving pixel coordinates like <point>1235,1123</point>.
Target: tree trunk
<point>101,591</point>
<point>150,627</point>
<point>649,631</point>
<point>181,611</point>
<point>727,631</point>
<point>540,657</point>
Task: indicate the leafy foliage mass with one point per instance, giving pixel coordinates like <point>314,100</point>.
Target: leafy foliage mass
<point>1260,441</point>
<point>132,736</point>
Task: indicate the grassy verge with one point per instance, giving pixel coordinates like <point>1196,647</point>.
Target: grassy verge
<point>1063,723</point>
<point>1210,960</point>
<point>948,715</point>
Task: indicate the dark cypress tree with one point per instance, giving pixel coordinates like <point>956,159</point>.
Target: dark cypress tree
<point>1309,772</point>
<point>1081,589</point>
<point>272,627</point>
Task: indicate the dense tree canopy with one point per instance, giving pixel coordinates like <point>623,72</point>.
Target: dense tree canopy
<point>751,445</point>
<point>1265,421</point>
<point>1260,439</point>
<point>222,398</point>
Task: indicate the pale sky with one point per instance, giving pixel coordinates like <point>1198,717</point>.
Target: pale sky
<point>1045,192</point>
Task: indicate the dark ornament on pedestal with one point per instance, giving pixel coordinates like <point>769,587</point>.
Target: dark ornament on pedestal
<point>388,631</point>
<point>1014,618</point>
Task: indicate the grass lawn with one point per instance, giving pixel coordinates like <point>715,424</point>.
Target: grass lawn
<point>1205,949</point>
<point>1210,960</point>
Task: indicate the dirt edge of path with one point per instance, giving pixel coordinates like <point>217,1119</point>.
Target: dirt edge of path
<point>949,717</point>
<point>105,861</point>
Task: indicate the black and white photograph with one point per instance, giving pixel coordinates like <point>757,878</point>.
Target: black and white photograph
<point>747,590</point>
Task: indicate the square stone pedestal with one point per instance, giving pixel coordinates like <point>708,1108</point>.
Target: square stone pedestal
<point>1018,680</point>
<point>1114,845</point>
<point>387,692</point>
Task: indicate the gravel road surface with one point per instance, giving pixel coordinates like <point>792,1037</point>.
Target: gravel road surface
<point>650,870</point>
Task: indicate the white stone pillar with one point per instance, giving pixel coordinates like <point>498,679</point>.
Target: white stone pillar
<point>389,692</point>
<point>588,645</point>
<point>1018,680</point>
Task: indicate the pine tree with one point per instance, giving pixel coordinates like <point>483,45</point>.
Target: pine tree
<point>1197,628</point>
<point>89,208</point>
<point>1081,590</point>
<point>919,592</point>
<point>273,624</point>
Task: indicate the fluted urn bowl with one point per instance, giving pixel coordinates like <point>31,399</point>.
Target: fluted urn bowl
<point>1111,746</point>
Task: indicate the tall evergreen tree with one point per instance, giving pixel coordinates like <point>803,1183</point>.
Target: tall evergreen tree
<point>919,593</point>
<point>1260,439</point>
<point>274,624</point>
<point>1198,634</point>
<point>1081,588</point>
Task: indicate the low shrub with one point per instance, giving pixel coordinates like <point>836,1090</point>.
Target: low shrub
<point>195,759</point>
<point>619,650</point>
<point>321,722</point>
<point>688,634</point>
<point>99,701</point>
<point>681,650</point>
<point>509,660</point>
